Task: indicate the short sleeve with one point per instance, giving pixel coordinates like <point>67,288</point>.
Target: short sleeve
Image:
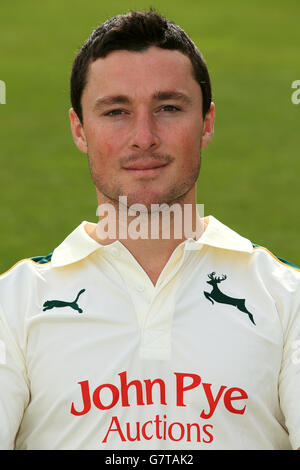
<point>14,391</point>
<point>289,379</point>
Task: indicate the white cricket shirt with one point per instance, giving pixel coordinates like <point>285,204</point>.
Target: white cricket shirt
<point>94,356</point>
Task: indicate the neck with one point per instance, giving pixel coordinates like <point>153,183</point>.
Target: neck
<point>152,235</point>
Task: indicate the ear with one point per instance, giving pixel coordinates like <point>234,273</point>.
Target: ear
<point>208,126</point>
<point>78,132</point>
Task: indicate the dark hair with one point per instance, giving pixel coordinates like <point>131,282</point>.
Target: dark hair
<point>136,31</point>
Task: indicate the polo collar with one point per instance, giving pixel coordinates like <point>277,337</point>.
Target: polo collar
<point>78,245</point>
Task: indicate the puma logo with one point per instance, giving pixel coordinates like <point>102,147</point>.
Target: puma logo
<point>218,296</point>
<point>61,303</point>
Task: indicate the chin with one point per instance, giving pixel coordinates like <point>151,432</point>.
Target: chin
<point>146,200</point>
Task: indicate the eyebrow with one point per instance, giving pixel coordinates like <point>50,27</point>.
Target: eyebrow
<point>158,96</point>
<point>172,95</point>
<point>110,100</point>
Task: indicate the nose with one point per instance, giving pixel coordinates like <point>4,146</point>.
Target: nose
<point>144,133</point>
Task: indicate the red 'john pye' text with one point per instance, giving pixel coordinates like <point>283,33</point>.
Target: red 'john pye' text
<point>184,383</point>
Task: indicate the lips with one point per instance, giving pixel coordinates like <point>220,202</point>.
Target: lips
<point>144,165</point>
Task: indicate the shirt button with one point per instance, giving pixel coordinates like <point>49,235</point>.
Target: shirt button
<point>114,251</point>
<point>140,287</point>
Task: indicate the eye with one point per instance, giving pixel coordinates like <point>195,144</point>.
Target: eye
<point>170,108</point>
<point>115,112</point>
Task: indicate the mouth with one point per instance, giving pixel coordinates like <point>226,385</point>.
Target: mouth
<point>145,169</point>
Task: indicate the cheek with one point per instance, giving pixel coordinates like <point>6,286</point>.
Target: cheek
<point>188,148</point>
<point>102,148</point>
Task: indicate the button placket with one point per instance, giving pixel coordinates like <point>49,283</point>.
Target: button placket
<point>140,287</point>
<point>154,305</point>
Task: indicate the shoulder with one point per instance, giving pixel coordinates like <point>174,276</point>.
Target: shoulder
<point>273,258</point>
<point>275,269</point>
<point>25,269</point>
<point>18,290</point>
<point>280,279</point>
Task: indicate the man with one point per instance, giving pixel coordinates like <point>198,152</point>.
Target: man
<point>150,342</point>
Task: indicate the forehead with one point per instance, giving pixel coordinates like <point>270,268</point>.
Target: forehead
<point>141,73</point>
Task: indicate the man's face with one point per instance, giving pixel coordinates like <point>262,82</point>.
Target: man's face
<point>143,127</point>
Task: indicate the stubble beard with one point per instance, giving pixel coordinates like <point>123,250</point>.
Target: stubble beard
<point>111,191</point>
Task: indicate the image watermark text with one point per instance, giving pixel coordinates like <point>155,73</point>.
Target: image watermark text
<point>2,92</point>
<point>296,94</point>
<point>162,221</point>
